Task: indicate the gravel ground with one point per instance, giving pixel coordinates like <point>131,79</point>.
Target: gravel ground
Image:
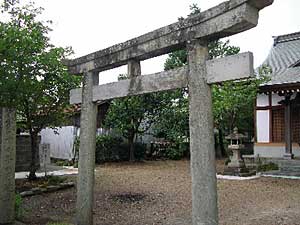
<point>158,192</point>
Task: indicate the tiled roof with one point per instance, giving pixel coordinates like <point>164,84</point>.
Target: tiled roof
<point>284,59</point>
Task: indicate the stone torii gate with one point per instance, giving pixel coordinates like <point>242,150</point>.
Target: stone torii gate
<point>193,33</point>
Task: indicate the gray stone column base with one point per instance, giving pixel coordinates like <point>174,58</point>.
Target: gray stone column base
<point>288,156</point>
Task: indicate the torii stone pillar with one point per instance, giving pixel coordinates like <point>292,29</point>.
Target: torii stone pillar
<point>7,165</point>
<point>203,172</point>
<point>134,68</point>
<point>86,166</point>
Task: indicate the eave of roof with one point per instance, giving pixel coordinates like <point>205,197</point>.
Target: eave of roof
<point>284,59</point>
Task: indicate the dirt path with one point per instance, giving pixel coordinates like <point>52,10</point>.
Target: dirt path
<point>153,193</point>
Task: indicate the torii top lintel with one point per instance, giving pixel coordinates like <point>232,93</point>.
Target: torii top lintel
<point>223,20</point>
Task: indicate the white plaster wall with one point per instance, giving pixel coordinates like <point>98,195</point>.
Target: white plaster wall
<point>61,144</point>
<point>262,100</point>
<point>275,151</point>
<point>262,126</point>
<point>276,98</point>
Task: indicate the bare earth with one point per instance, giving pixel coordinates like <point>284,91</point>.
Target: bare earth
<point>158,192</point>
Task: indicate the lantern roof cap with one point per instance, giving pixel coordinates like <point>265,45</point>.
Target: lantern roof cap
<point>235,135</point>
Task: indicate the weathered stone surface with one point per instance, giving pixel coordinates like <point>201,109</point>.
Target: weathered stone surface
<point>226,19</point>
<point>260,4</point>
<point>95,79</point>
<point>37,191</point>
<point>233,67</point>
<point>134,68</point>
<point>26,193</point>
<point>228,68</point>
<point>166,80</point>
<point>7,166</point>
<point>66,185</point>
<point>85,184</point>
<point>52,188</point>
<point>203,171</point>
<point>44,155</point>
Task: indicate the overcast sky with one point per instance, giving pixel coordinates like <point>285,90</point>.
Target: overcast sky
<point>92,25</point>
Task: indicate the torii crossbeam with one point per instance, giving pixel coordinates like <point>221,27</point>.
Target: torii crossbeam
<point>193,33</point>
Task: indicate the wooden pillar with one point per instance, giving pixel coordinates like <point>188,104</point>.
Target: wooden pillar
<point>288,128</point>
<point>203,171</point>
<point>86,167</point>
<point>7,165</point>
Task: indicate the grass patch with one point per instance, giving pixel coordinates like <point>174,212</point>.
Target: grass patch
<point>267,167</point>
<point>55,180</point>
<point>18,206</point>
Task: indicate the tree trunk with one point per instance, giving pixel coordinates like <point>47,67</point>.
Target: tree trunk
<point>221,144</point>
<point>131,148</point>
<point>217,146</point>
<point>34,158</point>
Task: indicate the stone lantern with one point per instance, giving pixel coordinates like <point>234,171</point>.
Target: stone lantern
<point>237,164</point>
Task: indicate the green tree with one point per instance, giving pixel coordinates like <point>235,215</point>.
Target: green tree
<point>173,122</point>
<point>233,101</point>
<point>32,76</point>
<point>133,116</point>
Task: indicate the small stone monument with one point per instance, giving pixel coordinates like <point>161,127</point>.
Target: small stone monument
<point>44,156</point>
<point>236,166</point>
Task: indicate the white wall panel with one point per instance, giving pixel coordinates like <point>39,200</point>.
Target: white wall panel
<point>61,144</point>
<point>263,125</point>
<point>262,100</point>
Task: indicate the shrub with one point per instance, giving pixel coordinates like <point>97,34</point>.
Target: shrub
<point>110,149</point>
<point>18,206</point>
<point>55,180</point>
<point>64,163</point>
<point>139,151</point>
<point>176,152</point>
<point>267,167</point>
<point>76,150</point>
<point>169,150</point>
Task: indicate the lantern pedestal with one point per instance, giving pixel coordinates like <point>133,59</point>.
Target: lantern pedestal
<point>236,166</point>
<point>236,159</point>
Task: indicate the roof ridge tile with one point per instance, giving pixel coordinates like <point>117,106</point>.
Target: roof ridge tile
<point>286,38</point>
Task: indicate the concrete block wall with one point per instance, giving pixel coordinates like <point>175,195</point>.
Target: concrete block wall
<point>23,152</point>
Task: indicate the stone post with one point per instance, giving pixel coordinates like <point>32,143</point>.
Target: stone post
<point>203,171</point>
<point>134,68</point>
<point>7,165</point>
<point>86,167</point>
